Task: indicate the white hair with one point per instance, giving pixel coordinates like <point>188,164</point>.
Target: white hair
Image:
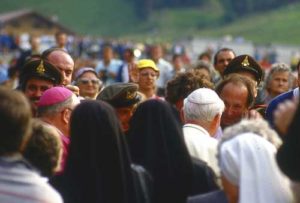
<point>256,126</point>
<point>203,104</point>
<point>57,108</point>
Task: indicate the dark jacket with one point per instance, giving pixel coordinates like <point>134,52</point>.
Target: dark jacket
<point>204,178</point>
<point>217,196</point>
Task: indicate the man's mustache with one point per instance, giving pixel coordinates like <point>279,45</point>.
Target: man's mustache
<point>34,99</point>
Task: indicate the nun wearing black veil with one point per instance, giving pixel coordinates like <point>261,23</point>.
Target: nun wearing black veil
<point>98,165</point>
<point>156,142</point>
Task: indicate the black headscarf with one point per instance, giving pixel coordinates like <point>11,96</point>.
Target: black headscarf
<point>156,142</point>
<point>98,165</point>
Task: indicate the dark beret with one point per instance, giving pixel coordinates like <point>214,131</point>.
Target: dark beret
<point>40,69</point>
<point>245,63</point>
<point>120,94</point>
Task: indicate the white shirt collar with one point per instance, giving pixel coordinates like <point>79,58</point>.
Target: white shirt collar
<point>196,127</point>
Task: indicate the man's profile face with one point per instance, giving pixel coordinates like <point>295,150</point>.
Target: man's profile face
<point>223,59</point>
<point>124,115</point>
<point>234,97</point>
<point>64,63</point>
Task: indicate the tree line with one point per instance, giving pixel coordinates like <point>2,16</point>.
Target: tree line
<point>233,8</point>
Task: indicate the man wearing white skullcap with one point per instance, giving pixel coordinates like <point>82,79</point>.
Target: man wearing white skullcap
<point>202,114</point>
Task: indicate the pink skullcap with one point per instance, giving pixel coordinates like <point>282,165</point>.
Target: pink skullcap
<point>54,95</point>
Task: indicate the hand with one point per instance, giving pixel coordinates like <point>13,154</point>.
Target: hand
<point>112,75</point>
<point>133,72</point>
<point>284,115</point>
<point>252,114</point>
<point>74,89</point>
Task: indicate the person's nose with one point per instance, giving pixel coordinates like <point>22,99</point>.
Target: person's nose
<point>226,63</point>
<point>38,92</point>
<point>229,110</point>
<point>281,82</point>
<point>65,80</point>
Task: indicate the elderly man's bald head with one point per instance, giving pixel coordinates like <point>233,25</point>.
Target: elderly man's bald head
<point>63,61</point>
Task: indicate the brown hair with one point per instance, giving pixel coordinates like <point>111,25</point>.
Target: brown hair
<point>183,84</point>
<point>15,118</point>
<point>239,80</point>
<point>44,148</point>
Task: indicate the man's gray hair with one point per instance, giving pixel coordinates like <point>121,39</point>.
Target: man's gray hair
<point>256,126</point>
<point>203,104</point>
<point>57,108</point>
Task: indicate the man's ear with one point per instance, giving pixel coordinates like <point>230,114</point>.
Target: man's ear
<point>181,114</point>
<point>215,123</point>
<point>179,106</point>
<point>217,119</point>
<point>66,114</point>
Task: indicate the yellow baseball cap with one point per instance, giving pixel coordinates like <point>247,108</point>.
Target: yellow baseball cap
<point>147,63</point>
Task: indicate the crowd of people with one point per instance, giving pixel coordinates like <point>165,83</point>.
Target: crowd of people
<point>148,129</point>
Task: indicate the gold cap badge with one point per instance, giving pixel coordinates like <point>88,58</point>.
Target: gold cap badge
<point>245,62</point>
<point>130,95</point>
<point>41,69</point>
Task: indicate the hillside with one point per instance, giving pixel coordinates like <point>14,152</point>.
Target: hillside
<point>95,17</point>
<point>116,18</point>
<point>277,26</point>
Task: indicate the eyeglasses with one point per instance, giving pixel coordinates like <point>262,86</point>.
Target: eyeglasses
<point>87,81</point>
<point>146,74</point>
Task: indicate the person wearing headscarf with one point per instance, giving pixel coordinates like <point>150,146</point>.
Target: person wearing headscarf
<point>156,142</point>
<point>248,166</point>
<point>98,166</point>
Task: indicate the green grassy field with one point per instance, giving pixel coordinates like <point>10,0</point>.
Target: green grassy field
<point>95,17</point>
<point>277,26</point>
<point>116,18</point>
<point>281,26</point>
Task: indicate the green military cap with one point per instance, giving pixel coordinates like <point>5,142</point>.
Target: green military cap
<point>245,63</point>
<point>120,94</point>
<point>40,69</point>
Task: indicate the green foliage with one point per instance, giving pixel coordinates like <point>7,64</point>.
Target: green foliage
<point>118,18</point>
<point>235,9</point>
<point>101,17</point>
<point>277,26</point>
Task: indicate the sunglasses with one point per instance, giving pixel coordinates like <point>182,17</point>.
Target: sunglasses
<point>87,81</point>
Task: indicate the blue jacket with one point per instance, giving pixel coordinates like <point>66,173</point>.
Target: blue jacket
<point>211,197</point>
<point>274,104</point>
